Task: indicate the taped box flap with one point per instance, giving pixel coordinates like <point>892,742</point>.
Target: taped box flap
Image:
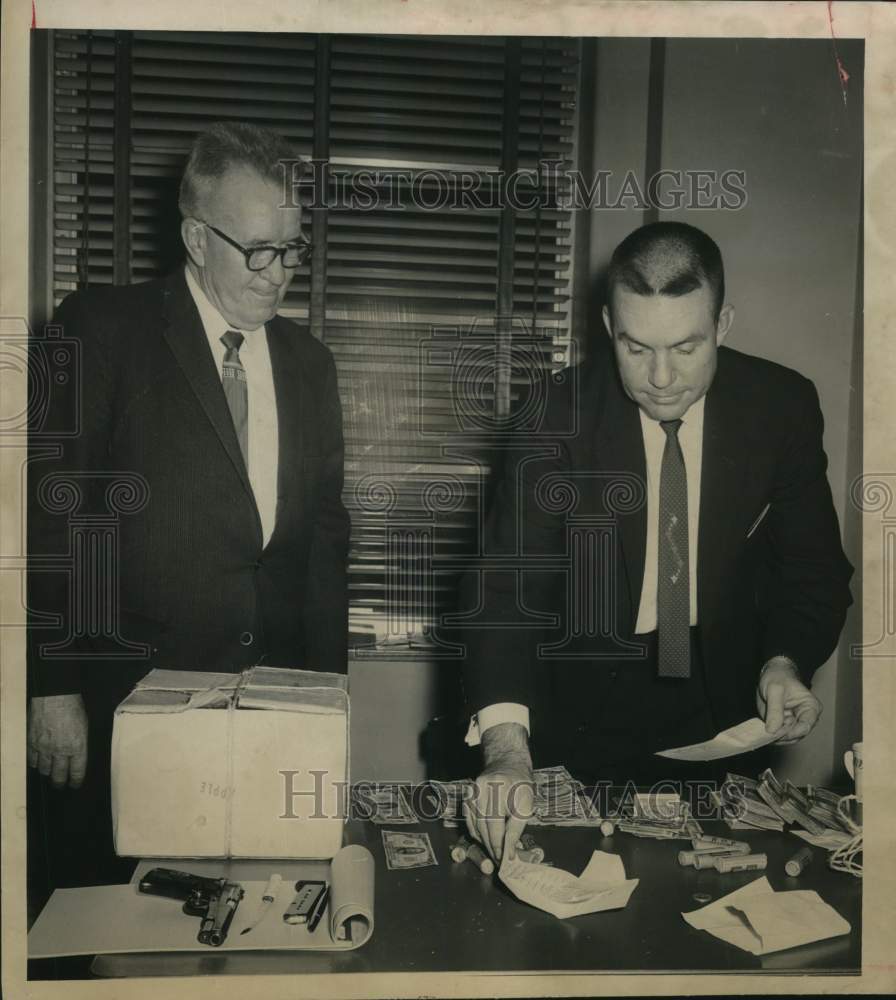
<point>286,677</point>
<point>278,688</point>
<point>294,690</point>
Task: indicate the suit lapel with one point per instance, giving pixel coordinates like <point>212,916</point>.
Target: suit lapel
<point>724,476</point>
<point>294,411</point>
<point>619,448</point>
<point>186,337</point>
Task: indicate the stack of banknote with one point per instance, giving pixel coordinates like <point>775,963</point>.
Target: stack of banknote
<point>657,816</point>
<point>765,803</point>
<point>559,799</point>
<point>743,808</point>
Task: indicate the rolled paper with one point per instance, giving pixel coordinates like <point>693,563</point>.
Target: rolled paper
<point>460,848</point>
<point>703,842</point>
<point>705,860</point>
<point>740,863</point>
<point>732,847</point>
<point>480,859</point>
<point>351,895</point>
<point>799,862</point>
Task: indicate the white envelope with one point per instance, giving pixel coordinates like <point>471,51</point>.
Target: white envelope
<point>760,920</point>
<point>745,736</point>
<point>601,886</point>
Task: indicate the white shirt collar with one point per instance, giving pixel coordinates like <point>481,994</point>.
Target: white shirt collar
<point>691,419</point>
<point>215,324</point>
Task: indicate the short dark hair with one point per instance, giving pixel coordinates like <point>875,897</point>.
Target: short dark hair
<point>668,258</point>
<point>225,145</point>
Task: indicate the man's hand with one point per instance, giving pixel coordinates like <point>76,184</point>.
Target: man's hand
<point>788,707</point>
<point>504,793</point>
<point>57,738</point>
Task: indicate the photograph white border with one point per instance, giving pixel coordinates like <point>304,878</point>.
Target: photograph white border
<point>876,23</point>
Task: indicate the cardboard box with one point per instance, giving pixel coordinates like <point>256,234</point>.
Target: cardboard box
<point>251,765</point>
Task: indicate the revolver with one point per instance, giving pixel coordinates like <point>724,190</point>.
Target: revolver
<point>213,899</point>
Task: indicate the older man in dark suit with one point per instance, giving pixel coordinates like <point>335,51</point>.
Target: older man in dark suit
<point>227,416</point>
<point>725,585</point>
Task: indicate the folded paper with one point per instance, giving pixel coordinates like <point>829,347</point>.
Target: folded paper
<point>601,886</point>
<point>742,738</point>
<point>760,920</point>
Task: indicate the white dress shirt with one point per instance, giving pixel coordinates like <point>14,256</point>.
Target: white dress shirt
<point>263,440</point>
<point>690,437</point>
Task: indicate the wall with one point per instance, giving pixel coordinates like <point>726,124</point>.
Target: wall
<point>391,703</point>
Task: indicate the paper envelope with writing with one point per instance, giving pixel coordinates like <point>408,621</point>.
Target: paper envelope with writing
<point>601,886</point>
<point>249,765</point>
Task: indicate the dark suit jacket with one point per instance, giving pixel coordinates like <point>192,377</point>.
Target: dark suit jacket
<point>772,577</point>
<point>194,585</point>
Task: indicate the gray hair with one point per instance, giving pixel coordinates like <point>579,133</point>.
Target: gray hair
<point>225,145</point>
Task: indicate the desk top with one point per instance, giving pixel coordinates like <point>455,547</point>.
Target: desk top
<point>452,918</point>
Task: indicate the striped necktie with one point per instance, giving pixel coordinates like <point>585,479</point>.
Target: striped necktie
<point>236,389</point>
<point>673,599</point>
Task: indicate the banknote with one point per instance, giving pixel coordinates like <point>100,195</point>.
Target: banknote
<point>407,850</point>
<point>383,804</point>
<point>559,799</point>
<point>386,803</point>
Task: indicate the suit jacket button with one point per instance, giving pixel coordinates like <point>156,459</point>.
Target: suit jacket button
<point>246,639</point>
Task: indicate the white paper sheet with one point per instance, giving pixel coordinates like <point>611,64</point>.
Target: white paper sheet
<point>760,920</point>
<point>742,738</point>
<point>601,886</point>
<point>110,919</point>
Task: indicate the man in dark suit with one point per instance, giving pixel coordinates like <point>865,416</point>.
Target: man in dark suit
<point>222,423</point>
<point>724,585</point>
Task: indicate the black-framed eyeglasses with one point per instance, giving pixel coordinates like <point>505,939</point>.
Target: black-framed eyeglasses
<point>258,258</point>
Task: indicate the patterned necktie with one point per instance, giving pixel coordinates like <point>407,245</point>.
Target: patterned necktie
<point>236,389</point>
<point>673,597</point>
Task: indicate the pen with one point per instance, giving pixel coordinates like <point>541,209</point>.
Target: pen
<point>319,912</point>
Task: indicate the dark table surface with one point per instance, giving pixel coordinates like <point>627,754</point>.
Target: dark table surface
<point>453,918</point>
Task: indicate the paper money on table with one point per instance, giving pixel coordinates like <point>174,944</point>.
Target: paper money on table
<point>742,808</point>
<point>601,886</point>
<point>383,804</point>
<point>742,738</point>
<point>754,824</point>
<point>559,799</point>
<point>830,840</point>
<point>407,850</point>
